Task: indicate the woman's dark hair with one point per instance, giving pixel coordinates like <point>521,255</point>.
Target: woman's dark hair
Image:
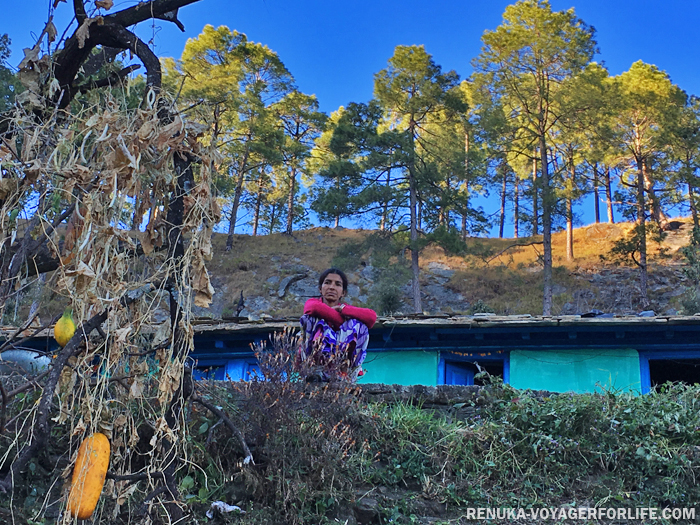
<point>329,271</point>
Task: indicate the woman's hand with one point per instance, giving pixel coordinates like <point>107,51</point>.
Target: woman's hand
<point>339,308</point>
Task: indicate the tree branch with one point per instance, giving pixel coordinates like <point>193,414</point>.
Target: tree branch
<point>139,476</point>
<point>145,11</point>
<point>109,80</point>
<point>79,9</point>
<point>234,429</point>
<point>516,245</point>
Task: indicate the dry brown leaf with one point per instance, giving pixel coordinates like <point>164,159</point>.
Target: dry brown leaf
<point>133,434</point>
<point>78,172</point>
<point>148,130</point>
<point>146,242</point>
<point>82,269</point>
<point>170,134</point>
<point>73,230</point>
<point>104,4</point>
<point>120,421</point>
<point>169,383</point>
<point>137,388</point>
<point>125,493</point>
<point>8,186</point>
<point>83,32</point>
<point>7,151</point>
<point>66,381</point>
<point>30,55</point>
<point>50,30</point>
<point>29,99</point>
<point>201,284</point>
<point>79,428</point>
<point>161,334</point>
<point>205,242</point>
<point>82,276</point>
<point>195,129</point>
<point>121,334</point>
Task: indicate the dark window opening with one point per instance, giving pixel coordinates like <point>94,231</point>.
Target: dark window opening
<point>209,372</point>
<point>463,373</point>
<point>240,369</point>
<point>676,370</point>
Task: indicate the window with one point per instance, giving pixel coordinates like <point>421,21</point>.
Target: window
<point>683,370</point>
<point>457,368</point>
<point>209,371</point>
<point>240,369</point>
<point>659,367</point>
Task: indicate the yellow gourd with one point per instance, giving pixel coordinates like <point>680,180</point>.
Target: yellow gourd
<point>88,476</point>
<point>65,328</point>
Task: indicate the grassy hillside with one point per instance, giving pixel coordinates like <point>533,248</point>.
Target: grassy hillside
<point>499,275</point>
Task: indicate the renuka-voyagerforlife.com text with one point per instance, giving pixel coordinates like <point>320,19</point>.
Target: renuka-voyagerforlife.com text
<point>581,513</point>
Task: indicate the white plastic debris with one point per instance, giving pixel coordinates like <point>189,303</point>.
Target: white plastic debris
<point>221,507</point>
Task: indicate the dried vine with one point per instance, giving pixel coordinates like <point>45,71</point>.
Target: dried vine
<point>114,198</point>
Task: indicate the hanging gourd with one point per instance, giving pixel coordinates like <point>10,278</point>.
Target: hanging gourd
<point>65,328</point>
<point>88,476</point>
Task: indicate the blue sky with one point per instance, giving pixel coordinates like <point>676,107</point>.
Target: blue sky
<point>334,48</point>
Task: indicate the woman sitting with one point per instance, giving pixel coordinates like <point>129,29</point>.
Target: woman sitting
<point>334,328</point>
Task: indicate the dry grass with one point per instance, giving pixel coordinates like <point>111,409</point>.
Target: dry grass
<point>503,273</point>
<point>509,283</point>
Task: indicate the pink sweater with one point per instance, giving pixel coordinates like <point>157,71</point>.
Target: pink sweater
<point>317,308</point>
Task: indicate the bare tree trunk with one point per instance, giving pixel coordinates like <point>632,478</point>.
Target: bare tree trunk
<point>258,203</point>
<point>570,210</point>
<point>467,143</point>
<point>337,215</point>
<point>237,198</point>
<point>516,206</point>
<point>446,209</point>
<point>385,207</point>
<point>535,204</point>
<point>693,205</point>
<point>608,195</point>
<point>642,232</point>
<point>415,218</point>
<point>464,212</point>
<point>569,230</point>
<point>657,213</point>
<point>273,218</point>
<point>546,230</point>
<point>504,189</point>
<point>419,217</point>
<point>231,226</point>
<point>290,202</point>
<point>596,196</point>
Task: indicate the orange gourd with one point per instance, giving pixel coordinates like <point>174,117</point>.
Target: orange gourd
<point>88,476</point>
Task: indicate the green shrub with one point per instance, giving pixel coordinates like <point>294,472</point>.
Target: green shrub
<point>480,307</point>
<point>386,298</point>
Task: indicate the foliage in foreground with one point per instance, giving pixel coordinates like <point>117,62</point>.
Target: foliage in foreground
<point>320,449</point>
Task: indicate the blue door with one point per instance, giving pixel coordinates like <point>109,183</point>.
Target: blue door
<point>459,373</point>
